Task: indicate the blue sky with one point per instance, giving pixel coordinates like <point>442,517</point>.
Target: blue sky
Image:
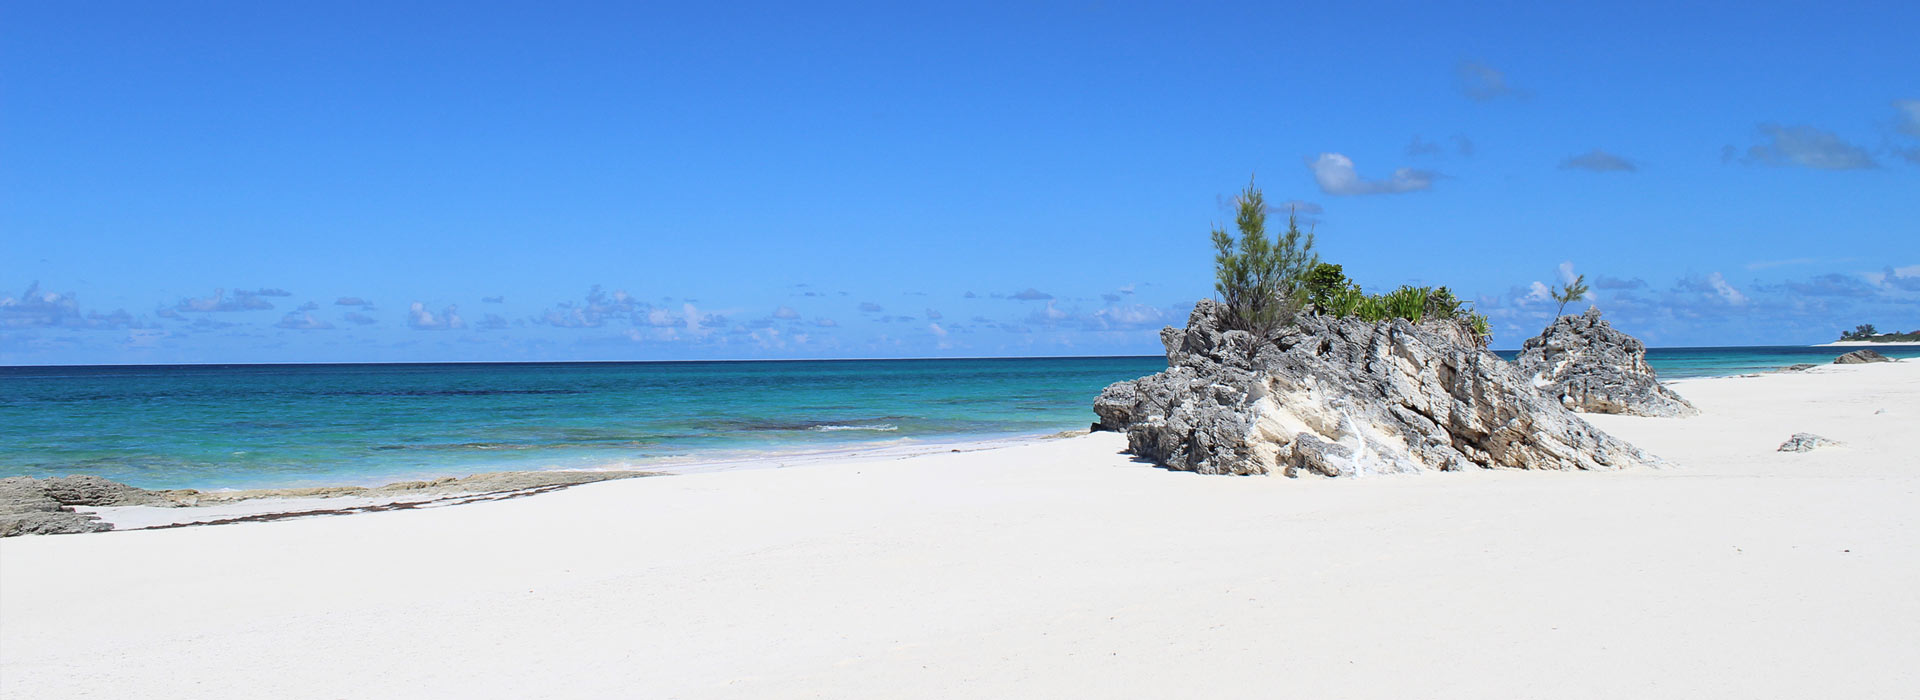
<point>257,182</point>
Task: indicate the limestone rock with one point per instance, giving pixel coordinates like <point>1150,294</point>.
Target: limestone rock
<point>1805,442</point>
<point>1860,357</point>
<point>1588,366</point>
<point>1345,397</point>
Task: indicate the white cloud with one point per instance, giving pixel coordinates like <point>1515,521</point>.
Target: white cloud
<point>1807,147</point>
<point>419,318</point>
<point>302,321</point>
<point>1537,292</point>
<point>786,313</point>
<point>1336,176</point>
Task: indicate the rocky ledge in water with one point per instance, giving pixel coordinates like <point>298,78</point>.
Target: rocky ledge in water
<point>1861,357</point>
<point>1588,366</point>
<point>1345,397</point>
<point>30,506</point>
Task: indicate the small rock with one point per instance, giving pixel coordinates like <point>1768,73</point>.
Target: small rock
<point>1806,442</point>
<point>1802,367</point>
<point>1860,357</point>
<point>1590,367</point>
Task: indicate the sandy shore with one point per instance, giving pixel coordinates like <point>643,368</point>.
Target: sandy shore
<point>1865,344</point>
<point>1053,569</point>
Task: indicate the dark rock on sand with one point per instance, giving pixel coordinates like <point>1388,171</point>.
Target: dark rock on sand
<point>1590,367</point>
<point>1342,397</point>
<point>1860,357</point>
<point>1805,442</point>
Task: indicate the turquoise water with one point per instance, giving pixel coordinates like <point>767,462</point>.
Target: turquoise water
<point>213,426</point>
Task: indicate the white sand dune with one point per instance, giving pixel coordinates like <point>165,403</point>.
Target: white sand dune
<point>1056,569</point>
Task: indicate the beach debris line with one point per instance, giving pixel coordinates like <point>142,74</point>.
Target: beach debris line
<point>1588,366</point>
<point>1806,442</point>
<point>30,506</point>
<point>1342,396</point>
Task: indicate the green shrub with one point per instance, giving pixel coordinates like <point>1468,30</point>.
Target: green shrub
<point>1261,281</point>
<point>1407,302</point>
<point>1442,304</point>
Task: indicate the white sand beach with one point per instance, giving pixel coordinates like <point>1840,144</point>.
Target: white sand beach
<point>1055,569</point>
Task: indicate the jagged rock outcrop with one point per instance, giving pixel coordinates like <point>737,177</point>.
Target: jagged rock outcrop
<point>1344,397</point>
<point>1805,442</point>
<point>30,506</point>
<point>1860,357</point>
<point>1588,366</point>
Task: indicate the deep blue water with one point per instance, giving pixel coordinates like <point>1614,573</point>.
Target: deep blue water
<point>235,426</point>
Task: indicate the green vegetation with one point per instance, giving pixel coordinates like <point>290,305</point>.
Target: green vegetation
<point>1329,292</point>
<point>1867,332</point>
<point>1262,281</point>
<point>1569,292</point>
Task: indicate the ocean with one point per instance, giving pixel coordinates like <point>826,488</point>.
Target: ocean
<point>260,426</point>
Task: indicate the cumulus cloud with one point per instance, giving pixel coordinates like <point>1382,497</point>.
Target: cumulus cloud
<point>933,315</point>
<point>869,307</point>
<point>1031,294</point>
<point>272,292</point>
<point>1537,292</point>
<point>1598,161</point>
<point>596,310</point>
<point>1712,287</point>
<point>37,309</point>
<point>352,301</point>
<point>420,319</point>
<point>493,322</point>
<point>1807,147</point>
<point>825,322</point>
<point>786,313</point>
<point>360,319</point>
<point>1336,176</point>
<point>1481,82</point>
<point>309,306</point>
<point>241,300</point>
<point>302,321</point>
<point>493,300</point>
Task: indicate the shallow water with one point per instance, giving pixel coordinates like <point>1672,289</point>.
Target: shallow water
<point>246,426</point>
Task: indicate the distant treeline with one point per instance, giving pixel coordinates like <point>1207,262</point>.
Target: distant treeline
<point>1866,331</point>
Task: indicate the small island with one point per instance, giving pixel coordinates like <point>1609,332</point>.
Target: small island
<point>1865,333</point>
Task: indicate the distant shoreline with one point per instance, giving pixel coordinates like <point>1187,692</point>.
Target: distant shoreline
<point>1867,343</point>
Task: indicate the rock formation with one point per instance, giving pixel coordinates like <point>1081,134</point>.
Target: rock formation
<point>1345,397</point>
<point>1860,357</point>
<point>1805,442</point>
<point>1588,366</point>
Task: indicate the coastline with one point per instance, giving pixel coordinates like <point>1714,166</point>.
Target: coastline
<point>1868,344</point>
<point>189,507</point>
<point>1054,567</point>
